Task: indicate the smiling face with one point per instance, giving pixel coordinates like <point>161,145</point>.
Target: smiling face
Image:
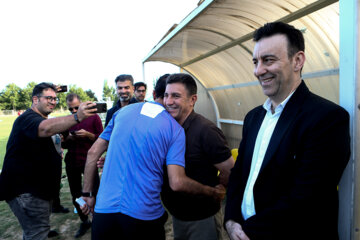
<point>44,105</point>
<point>178,102</point>
<point>278,74</point>
<point>124,90</point>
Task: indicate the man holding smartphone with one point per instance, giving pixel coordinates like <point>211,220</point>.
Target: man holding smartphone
<point>30,176</point>
<point>78,140</point>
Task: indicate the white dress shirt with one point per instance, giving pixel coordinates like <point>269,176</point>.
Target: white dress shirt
<point>261,145</point>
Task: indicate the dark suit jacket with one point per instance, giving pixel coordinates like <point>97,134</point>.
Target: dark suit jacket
<point>295,193</point>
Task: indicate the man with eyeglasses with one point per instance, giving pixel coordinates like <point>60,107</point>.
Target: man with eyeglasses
<point>125,90</point>
<point>78,140</point>
<point>31,172</point>
<point>140,91</point>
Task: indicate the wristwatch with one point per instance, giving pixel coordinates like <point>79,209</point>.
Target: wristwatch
<point>76,118</point>
<point>87,194</point>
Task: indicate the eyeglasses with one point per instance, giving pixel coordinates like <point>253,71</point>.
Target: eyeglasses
<point>141,91</point>
<point>72,109</point>
<point>50,98</point>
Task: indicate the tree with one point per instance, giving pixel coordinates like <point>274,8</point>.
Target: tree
<point>84,96</point>
<point>25,96</point>
<point>91,95</point>
<point>9,98</point>
<point>108,92</point>
<point>15,98</point>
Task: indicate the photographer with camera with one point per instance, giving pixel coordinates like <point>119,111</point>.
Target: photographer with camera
<point>78,140</point>
<point>30,176</point>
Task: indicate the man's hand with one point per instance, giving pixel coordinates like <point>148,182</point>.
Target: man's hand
<point>89,206</point>
<point>82,133</point>
<point>100,163</point>
<point>86,109</point>
<point>235,231</point>
<point>219,193</point>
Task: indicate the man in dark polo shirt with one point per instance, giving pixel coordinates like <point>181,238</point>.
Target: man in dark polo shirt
<point>206,153</point>
<point>125,90</point>
<point>78,140</point>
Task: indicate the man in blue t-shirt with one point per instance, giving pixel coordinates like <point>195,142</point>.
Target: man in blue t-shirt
<point>140,140</point>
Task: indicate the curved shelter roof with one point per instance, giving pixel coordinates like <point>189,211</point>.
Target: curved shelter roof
<point>214,44</point>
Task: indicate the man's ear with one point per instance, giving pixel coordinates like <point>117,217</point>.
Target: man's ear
<point>154,95</point>
<point>299,60</point>
<point>35,99</point>
<point>193,99</point>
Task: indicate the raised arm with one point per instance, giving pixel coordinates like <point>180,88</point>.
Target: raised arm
<point>52,126</point>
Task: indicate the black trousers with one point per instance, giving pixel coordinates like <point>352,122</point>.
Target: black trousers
<point>74,175</point>
<point>120,226</point>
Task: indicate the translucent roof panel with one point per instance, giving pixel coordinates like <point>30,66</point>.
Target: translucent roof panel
<point>214,44</point>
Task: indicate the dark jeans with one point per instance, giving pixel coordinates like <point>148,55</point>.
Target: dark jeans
<point>120,226</point>
<point>74,175</point>
<point>33,214</point>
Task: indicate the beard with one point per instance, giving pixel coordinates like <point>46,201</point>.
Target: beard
<point>44,111</point>
<point>124,98</point>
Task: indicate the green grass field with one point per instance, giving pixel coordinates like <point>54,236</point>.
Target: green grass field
<point>6,123</point>
<point>65,224</point>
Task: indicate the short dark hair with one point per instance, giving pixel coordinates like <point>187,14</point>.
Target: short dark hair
<point>70,97</point>
<point>39,88</point>
<point>160,86</point>
<point>186,79</point>
<point>294,36</point>
<point>140,84</point>
<point>123,78</point>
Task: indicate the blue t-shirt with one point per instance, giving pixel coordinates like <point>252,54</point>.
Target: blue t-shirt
<point>142,138</point>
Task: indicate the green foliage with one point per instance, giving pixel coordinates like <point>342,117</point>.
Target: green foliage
<point>9,97</point>
<point>87,95</point>
<point>108,92</point>
<point>91,95</point>
<point>25,100</point>
<point>15,98</point>
<point>62,100</point>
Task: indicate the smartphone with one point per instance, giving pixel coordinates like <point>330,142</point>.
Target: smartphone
<point>100,107</point>
<point>80,201</point>
<point>63,88</point>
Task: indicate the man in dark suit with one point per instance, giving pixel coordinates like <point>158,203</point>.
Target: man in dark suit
<point>293,150</point>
